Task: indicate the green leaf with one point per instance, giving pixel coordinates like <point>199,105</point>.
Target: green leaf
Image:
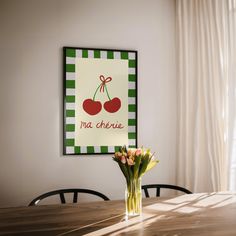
<point>115,159</point>
<point>137,165</point>
<point>145,161</point>
<point>151,165</point>
<point>129,171</point>
<point>123,149</point>
<point>124,170</point>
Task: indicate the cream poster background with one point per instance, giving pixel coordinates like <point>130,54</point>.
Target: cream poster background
<point>88,71</point>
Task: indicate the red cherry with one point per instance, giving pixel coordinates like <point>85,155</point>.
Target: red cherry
<point>92,107</point>
<point>113,105</point>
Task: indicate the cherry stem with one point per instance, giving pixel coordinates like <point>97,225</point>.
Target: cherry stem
<point>96,91</point>
<point>107,93</point>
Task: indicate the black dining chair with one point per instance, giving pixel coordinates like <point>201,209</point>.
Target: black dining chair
<point>158,188</point>
<point>61,193</point>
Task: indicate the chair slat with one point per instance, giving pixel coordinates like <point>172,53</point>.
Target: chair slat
<point>158,188</point>
<point>61,193</point>
<point>75,198</point>
<point>146,193</point>
<point>62,197</point>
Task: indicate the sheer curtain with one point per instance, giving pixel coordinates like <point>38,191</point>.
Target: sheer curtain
<point>232,95</point>
<point>206,55</point>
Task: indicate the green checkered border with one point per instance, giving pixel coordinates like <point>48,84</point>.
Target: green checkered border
<point>69,139</point>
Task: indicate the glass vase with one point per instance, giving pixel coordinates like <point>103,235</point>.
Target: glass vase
<point>133,197</point>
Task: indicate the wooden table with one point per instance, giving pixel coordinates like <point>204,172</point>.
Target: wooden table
<point>191,214</point>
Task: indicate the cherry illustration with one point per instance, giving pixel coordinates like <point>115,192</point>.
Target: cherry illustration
<point>112,105</point>
<point>92,107</point>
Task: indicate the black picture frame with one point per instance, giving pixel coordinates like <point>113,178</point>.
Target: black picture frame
<point>110,69</point>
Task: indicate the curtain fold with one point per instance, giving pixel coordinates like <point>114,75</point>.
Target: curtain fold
<point>204,42</point>
<point>232,95</point>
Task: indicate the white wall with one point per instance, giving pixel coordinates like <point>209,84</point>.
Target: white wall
<point>32,34</point>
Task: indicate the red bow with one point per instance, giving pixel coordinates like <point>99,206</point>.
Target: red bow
<point>104,81</point>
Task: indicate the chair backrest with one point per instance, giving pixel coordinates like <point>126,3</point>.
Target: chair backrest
<point>159,186</point>
<point>61,193</point>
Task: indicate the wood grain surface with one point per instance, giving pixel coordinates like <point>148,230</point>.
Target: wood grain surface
<point>191,214</point>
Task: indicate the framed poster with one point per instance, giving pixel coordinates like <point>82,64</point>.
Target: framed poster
<point>100,100</point>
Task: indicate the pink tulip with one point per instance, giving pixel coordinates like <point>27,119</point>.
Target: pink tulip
<point>118,155</point>
<point>138,152</point>
<point>130,162</point>
<point>130,153</point>
<point>123,159</point>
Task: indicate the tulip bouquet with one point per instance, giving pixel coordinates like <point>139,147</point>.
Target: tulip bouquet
<point>134,163</point>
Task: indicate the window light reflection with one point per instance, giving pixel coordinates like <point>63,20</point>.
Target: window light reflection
<point>226,202</point>
<point>138,222</point>
<point>211,200</point>
<point>162,211</point>
<point>164,207</point>
<point>187,198</point>
<point>186,209</point>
